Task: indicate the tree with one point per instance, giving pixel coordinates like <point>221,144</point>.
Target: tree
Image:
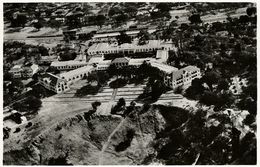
<point>244,19</point>
<point>195,19</point>
<point>251,11</point>
<point>158,87</point>
<point>143,37</point>
<point>95,104</point>
<point>38,25</point>
<point>54,24</point>
<point>123,38</point>
<point>131,10</point>
<point>163,7</point>
<point>112,70</point>
<point>121,102</point>
<point>209,98</point>
<point>211,77</point>
<point>20,20</point>
<point>223,84</point>
<point>67,54</point>
<point>196,89</point>
<point>114,11</point>
<point>73,21</point>
<point>100,20</point>
<point>121,18</point>
<point>30,104</point>
<point>87,90</point>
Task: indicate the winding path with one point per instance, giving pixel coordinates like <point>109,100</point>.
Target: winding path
<point>100,162</point>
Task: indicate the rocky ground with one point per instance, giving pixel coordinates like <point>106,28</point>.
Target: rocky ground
<point>158,134</point>
<point>106,140</point>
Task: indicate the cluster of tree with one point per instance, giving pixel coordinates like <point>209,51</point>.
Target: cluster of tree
<point>192,141</point>
<point>86,36</point>
<point>123,12</point>
<point>12,88</point>
<point>206,8</point>
<point>153,90</point>
<point>65,53</point>
<point>118,83</point>
<point>143,37</point>
<point>87,90</point>
<point>101,77</point>
<point>74,21</point>
<point>119,108</point>
<point>161,10</point>
<point>123,38</point>
<point>54,24</point>
<point>19,21</point>
<point>30,104</point>
<point>211,90</point>
<point>16,50</point>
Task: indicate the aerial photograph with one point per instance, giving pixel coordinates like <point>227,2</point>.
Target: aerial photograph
<point>129,83</point>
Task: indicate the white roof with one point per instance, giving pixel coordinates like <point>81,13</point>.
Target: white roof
<point>163,67</point>
<point>114,34</point>
<point>139,61</point>
<point>162,55</point>
<point>34,68</point>
<point>17,66</point>
<point>106,47</point>
<point>95,60</point>
<point>67,63</point>
<point>76,71</point>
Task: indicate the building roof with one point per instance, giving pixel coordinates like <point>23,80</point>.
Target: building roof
<point>95,59</point>
<point>17,66</point>
<point>114,34</point>
<point>120,60</point>
<point>77,71</point>
<point>139,61</point>
<point>162,55</point>
<point>52,79</point>
<point>67,63</point>
<point>34,68</point>
<point>163,67</point>
<point>151,44</point>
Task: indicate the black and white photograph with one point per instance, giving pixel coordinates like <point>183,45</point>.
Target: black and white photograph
<point>129,83</point>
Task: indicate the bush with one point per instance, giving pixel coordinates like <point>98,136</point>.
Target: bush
<point>28,125</point>
<point>118,83</point>
<point>17,130</point>
<point>178,90</point>
<point>87,90</point>
<point>30,104</point>
<point>95,104</point>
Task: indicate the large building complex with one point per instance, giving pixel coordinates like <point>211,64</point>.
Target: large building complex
<point>112,36</point>
<point>152,45</point>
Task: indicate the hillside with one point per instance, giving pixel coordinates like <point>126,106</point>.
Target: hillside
<point>163,134</point>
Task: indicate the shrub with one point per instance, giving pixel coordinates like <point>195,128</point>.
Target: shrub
<point>87,90</point>
<point>118,83</point>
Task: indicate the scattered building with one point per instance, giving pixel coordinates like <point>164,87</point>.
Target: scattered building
<point>16,71</point>
<point>237,84</point>
<point>47,59</point>
<point>27,71</point>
